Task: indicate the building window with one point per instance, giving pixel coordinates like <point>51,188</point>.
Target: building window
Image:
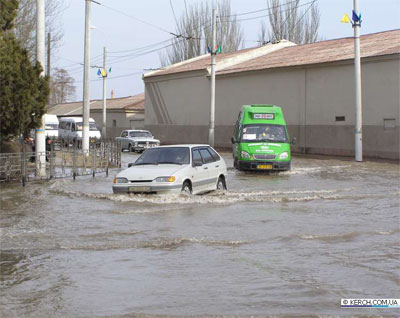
<point>340,118</point>
<point>389,123</point>
<point>114,123</point>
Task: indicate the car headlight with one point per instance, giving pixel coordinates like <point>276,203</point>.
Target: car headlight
<point>165,179</point>
<point>136,144</point>
<point>284,155</point>
<point>244,154</point>
<point>121,180</point>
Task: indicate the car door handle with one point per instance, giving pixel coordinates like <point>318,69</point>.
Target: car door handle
<point>205,168</point>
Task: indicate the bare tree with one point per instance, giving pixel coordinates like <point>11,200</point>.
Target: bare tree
<point>25,24</point>
<point>194,32</point>
<point>62,88</point>
<point>288,21</point>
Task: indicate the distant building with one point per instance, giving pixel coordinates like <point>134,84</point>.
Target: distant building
<point>313,83</point>
<point>122,113</point>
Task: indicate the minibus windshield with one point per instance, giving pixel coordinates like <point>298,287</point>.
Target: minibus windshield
<point>48,126</point>
<point>264,132</point>
<point>92,126</point>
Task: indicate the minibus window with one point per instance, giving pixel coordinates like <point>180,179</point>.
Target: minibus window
<point>92,126</point>
<point>51,126</point>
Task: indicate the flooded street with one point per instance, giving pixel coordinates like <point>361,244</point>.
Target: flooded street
<point>286,245</point>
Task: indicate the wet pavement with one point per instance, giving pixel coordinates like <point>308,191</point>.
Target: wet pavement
<point>283,245</point>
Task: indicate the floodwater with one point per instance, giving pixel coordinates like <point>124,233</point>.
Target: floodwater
<point>286,245</point>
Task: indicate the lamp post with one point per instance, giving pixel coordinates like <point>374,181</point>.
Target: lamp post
<point>86,80</point>
<point>356,23</point>
<point>104,75</point>
<point>40,140</point>
<point>357,77</point>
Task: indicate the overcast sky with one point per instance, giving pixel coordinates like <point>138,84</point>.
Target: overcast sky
<point>116,28</point>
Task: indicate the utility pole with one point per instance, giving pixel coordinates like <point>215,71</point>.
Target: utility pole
<point>211,138</point>
<point>86,81</point>
<point>357,76</point>
<point>40,138</point>
<point>104,127</point>
<point>48,54</point>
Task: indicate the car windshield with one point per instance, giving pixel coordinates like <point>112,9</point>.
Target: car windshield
<point>167,155</point>
<point>264,132</point>
<point>92,126</point>
<point>51,126</point>
<point>140,134</point>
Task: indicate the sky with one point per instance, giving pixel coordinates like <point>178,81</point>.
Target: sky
<point>123,25</point>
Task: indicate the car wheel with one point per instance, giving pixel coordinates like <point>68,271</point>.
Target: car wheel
<point>221,184</point>
<point>186,188</point>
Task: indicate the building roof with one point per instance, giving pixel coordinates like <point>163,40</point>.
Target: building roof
<point>377,44</point>
<point>129,103</point>
<point>224,60</point>
<point>285,54</point>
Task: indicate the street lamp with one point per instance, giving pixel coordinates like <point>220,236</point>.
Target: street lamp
<point>104,75</point>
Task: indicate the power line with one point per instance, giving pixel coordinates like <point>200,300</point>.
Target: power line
<point>143,47</point>
<point>129,57</point>
<point>134,18</point>
<point>267,15</point>
<point>173,12</point>
<point>260,10</point>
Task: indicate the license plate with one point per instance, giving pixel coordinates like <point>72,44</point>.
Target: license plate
<point>264,167</point>
<point>139,189</point>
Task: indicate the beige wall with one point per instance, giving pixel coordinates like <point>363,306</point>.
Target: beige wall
<point>177,108</point>
<point>123,121</point>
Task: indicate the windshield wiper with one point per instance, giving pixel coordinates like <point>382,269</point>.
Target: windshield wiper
<point>171,162</point>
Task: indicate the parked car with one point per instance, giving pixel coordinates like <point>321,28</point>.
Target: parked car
<point>178,168</point>
<point>137,140</point>
<point>70,129</point>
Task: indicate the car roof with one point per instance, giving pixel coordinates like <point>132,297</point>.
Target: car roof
<point>75,119</point>
<point>139,130</point>
<point>186,145</point>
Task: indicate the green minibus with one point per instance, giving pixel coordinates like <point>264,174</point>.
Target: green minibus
<point>261,140</point>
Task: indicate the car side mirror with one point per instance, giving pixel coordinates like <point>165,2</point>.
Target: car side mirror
<point>130,164</point>
<point>233,140</point>
<point>293,141</point>
<point>197,163</point>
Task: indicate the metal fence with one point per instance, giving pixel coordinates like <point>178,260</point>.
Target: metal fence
<point>62,160</point>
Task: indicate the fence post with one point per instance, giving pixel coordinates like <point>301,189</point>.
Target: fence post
<point>74,163</point>
<point>119,149</point>
<point>52,159</point>
<point>107,152</point>
<point>23,164</point>
<point>94,162</point>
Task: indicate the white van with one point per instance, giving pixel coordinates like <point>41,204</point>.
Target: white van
<point>51,125</point>
<point>70,129</point>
